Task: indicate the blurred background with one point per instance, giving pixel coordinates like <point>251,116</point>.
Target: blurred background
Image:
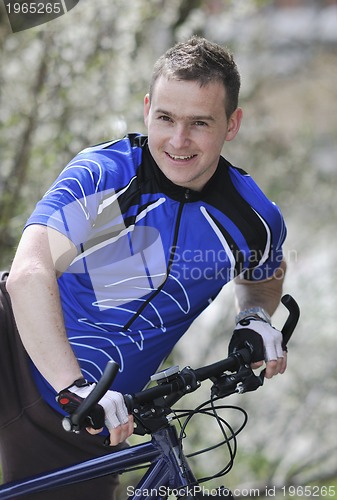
<point>80,80</point>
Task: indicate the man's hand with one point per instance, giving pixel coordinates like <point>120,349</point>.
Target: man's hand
<point>110,411</point>
<point>266,344</point>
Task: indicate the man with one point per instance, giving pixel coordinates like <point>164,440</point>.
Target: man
<point>129,245</point>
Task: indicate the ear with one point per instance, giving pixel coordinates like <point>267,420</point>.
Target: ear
<point>146,109</point>
<point>234,124</point>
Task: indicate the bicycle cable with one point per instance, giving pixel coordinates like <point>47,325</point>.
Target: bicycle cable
<point>229,434</point>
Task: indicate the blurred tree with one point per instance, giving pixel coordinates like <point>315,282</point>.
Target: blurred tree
<point>78,80</point>
<point>16,177</point>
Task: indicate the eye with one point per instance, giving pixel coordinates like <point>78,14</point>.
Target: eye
<point>200,123</point>
<point>165,118</point>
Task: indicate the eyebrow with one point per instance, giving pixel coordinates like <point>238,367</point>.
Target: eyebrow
<point>191,118</point>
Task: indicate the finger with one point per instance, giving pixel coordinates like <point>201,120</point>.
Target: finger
<point>273,353</point>
<point>271,368</point>
<point>115,410</point>
<point>284,363</point>
<point>93,431</point>
<point>121,410</point>
<point>256,365</point>
<point>273,346</point>
<point>122,432</point>
<point>130,425</point>
<point>279,350</point>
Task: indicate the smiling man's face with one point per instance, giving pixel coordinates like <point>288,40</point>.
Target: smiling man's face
<point>187,127</point>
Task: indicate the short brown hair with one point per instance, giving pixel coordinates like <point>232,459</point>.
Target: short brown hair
<point>203,61</point>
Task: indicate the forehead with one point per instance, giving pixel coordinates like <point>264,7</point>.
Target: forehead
<point>188,97</point>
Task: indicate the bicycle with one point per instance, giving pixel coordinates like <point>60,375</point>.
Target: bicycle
<point>168,467</point>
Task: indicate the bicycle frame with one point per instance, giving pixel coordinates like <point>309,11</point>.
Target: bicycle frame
<point>168,469</point>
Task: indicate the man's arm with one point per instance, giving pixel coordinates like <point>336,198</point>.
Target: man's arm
<point>32,286</point>
<point>42,255</point>
<point>266,294</point>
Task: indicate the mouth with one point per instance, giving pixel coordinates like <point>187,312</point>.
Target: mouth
<point>180,158</point>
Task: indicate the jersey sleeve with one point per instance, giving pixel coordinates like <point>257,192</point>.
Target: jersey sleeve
<point>268,260</point>
<point>71,204</point>
<point>271,260</point>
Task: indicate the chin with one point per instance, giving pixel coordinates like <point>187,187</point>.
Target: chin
<point>176,179</point>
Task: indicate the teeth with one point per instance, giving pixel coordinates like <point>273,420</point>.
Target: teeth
<point>174,157</point>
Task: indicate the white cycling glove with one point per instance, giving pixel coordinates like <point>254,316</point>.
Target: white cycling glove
<point>266,341</point>
<point>110,410</point>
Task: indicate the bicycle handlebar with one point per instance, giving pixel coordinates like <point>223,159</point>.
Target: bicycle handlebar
<point>172,387</point>
<point>192,378</point>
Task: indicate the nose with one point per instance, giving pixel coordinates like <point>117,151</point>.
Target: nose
<point>180,136</point>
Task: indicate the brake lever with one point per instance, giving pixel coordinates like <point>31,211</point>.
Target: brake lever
<point>244,380</point>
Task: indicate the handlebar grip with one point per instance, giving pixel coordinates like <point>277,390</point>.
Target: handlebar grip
<point>75,421</point>
<point>294,313</point>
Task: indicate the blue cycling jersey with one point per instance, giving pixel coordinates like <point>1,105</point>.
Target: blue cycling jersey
<point>151,255</point>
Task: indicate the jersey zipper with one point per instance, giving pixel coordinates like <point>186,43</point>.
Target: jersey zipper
<point>169,264</point>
